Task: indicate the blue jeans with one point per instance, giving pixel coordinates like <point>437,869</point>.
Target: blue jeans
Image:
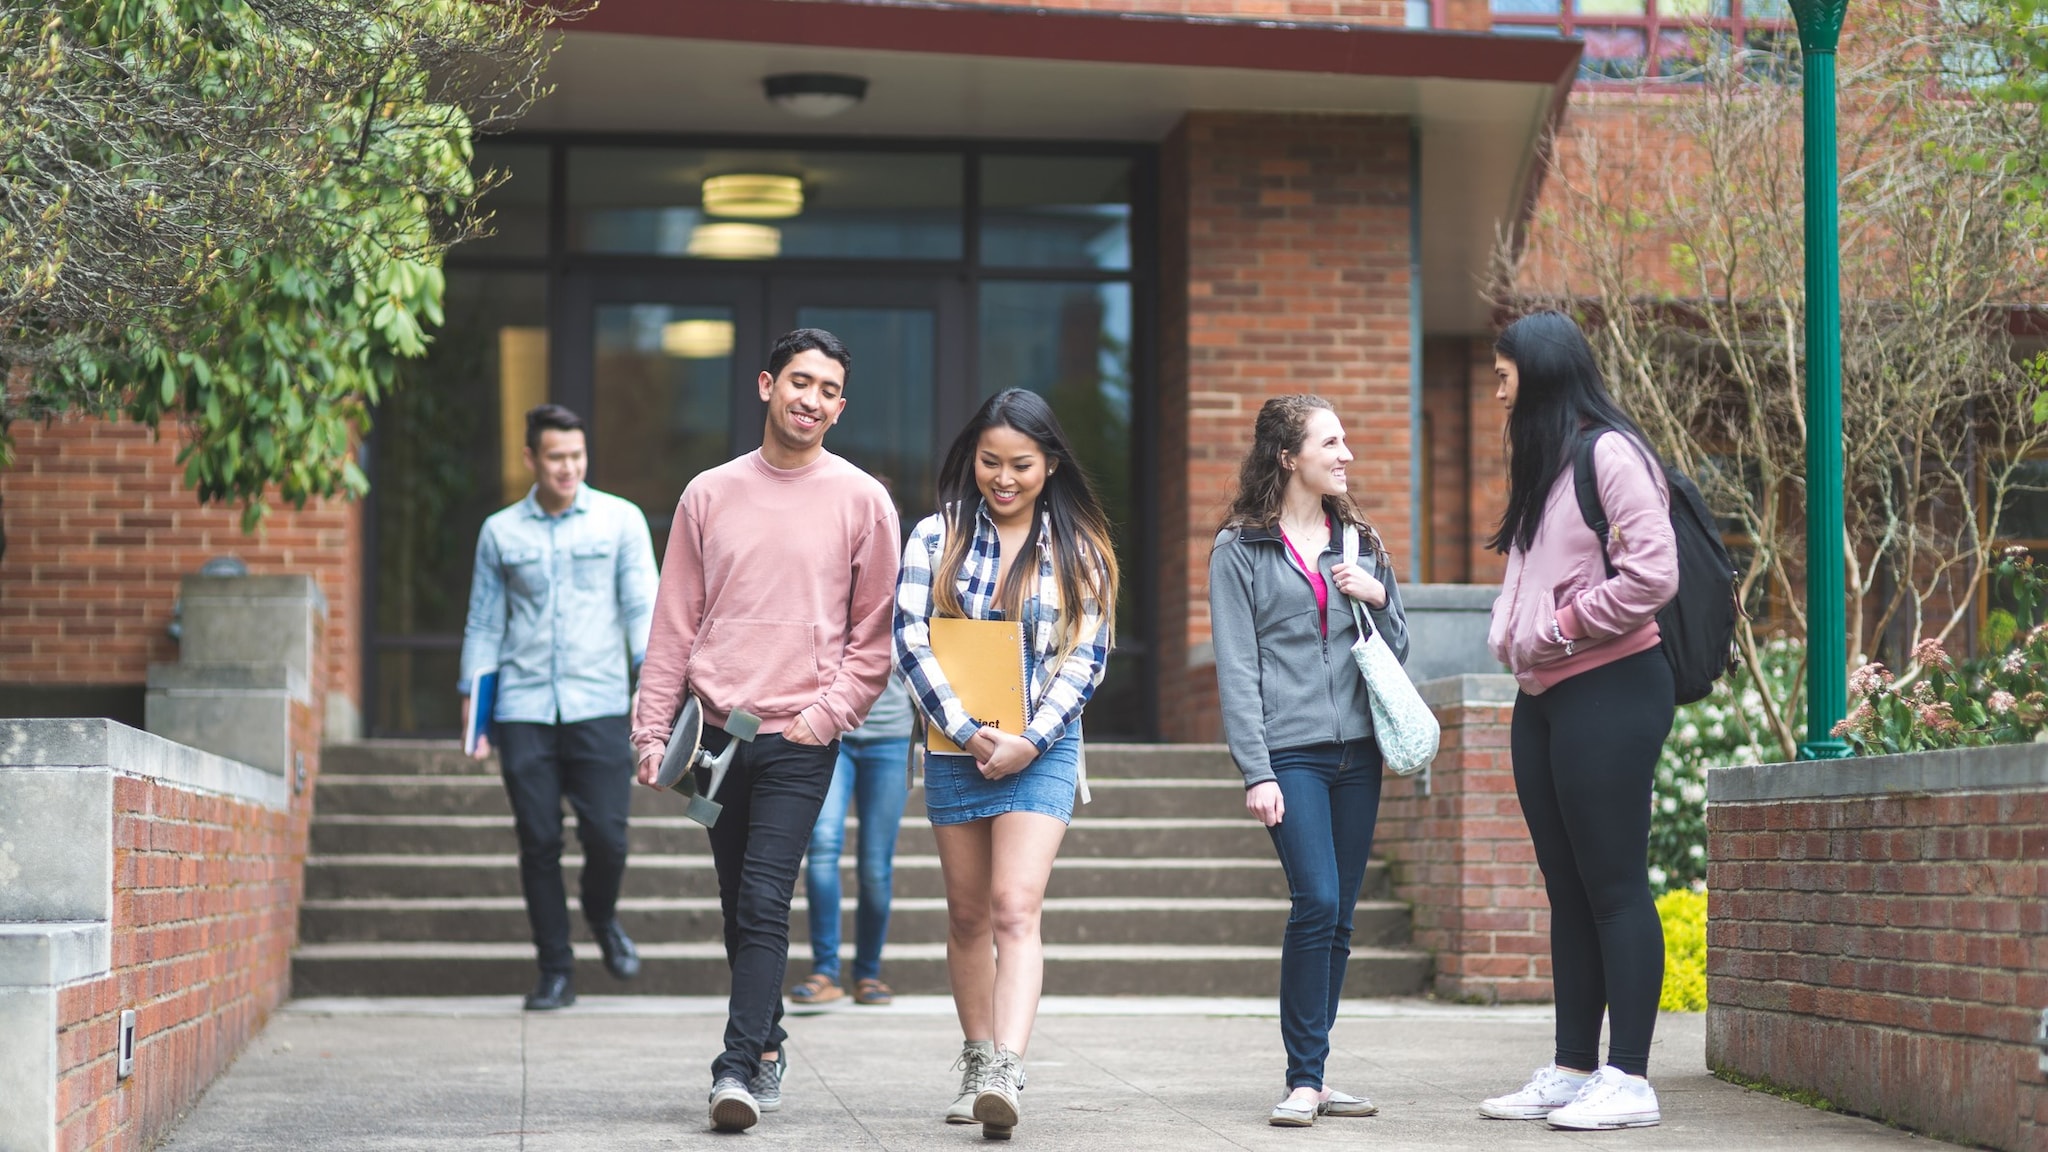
<point>873,777</point>
<point>1332,799</point>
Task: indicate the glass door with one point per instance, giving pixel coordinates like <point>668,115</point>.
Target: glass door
<point>906,393</point>
<point>662,369</point>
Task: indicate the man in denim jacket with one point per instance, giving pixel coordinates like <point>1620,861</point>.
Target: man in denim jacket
<point>562,597</point>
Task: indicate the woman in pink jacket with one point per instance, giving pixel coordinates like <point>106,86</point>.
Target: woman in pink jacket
<point>1579,631</point>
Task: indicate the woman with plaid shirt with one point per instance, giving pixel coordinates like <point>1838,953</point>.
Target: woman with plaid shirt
<point>1010,491</point>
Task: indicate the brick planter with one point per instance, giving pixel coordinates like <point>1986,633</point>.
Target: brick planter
<point>1878,934</point>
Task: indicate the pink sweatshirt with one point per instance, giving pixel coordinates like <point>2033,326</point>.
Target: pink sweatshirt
<point>1561,577</point>
<point>776,597</point>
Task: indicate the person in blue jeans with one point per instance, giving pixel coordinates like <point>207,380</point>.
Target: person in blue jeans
<point>1296,712</point>
<point>873,778</point>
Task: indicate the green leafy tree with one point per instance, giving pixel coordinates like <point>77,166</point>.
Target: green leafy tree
<point>231,214</point>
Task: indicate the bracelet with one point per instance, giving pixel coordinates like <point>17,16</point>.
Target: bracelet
<point>1557,634</point>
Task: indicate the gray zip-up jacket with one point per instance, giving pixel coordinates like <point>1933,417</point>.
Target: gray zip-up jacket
<point>1283,682</point>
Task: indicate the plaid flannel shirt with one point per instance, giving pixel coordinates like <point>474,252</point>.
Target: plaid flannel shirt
<point>1058,692</point>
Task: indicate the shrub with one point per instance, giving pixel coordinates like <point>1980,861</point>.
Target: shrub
<point>1728,727</point>
<point>1684,914</point>
<point>2000,697</point>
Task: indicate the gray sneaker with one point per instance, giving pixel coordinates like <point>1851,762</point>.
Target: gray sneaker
<point>997,1105</point>
<point>973,1068</point>
<point>767,1083</point>
<point>732,1107</point>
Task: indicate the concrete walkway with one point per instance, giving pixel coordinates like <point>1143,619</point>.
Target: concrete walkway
<point>628,1073</point>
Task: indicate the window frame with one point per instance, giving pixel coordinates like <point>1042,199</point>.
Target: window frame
<point>1569,22</point>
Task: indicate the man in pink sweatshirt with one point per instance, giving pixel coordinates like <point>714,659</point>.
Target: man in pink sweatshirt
<point>776,597</point>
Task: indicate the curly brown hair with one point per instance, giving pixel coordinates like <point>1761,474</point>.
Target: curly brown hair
<point>1262,481</point>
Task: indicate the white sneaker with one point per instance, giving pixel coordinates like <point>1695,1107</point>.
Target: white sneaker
<point>1611,1099</point>
<point>1548,1089</point>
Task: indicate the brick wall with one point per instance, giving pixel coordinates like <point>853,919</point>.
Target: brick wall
<point>1290,275</point>
<point>1461,856</point>
<point>1486,475</point>
<point>1887,951</point>
<point>100,528</point>
<point>206,892</point>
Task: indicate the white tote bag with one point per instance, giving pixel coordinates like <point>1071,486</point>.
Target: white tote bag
<point>1406,729</point>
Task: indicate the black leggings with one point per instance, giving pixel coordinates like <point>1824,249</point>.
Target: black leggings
<point>1585,754</point>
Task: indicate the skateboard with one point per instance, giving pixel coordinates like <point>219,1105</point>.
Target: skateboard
<point>686,752</point>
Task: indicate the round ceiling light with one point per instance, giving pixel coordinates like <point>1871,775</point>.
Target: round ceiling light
<point>815,95</point>
<point>729,240</point>
<point>753,196</point>
<point>697,339</point>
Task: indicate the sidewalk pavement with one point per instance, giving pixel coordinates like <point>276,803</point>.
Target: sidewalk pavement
<point>1153,1075</point>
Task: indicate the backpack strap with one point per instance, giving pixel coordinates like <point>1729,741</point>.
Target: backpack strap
<point>1587,487</point>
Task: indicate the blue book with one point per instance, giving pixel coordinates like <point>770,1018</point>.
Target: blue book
<point>483,699</point>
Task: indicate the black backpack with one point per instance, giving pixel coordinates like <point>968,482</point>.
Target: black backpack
<point>1698,625</point>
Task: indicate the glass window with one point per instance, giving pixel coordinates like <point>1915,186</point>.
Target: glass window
<point>445,454</point>
<point>1056,212</point>
<point>2024,517</point>
<point>518,207</point>
<point>1071,343</point>
<point>887,425</point>
<point>817,204</point>
<point>665,386</point>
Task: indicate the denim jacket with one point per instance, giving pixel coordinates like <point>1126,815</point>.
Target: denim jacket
<point>559,604</point>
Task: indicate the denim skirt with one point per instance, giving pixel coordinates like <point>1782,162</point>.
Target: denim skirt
<point>955,791</point>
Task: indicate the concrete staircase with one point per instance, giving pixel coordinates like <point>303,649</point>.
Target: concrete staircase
<point>1163,887</point>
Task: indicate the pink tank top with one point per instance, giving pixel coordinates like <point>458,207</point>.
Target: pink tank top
<point>1315,581</point>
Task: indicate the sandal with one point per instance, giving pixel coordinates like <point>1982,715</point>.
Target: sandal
<point>818,989</point>
<point>872,992</point>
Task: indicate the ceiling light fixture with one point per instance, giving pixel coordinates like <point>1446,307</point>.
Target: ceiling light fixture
<point>815,95</point>
<point>697,339</point>
<point>754,196</point>
<point>734,241</point>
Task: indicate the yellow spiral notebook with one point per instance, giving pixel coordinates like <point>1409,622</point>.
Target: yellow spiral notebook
<point>984,662</point>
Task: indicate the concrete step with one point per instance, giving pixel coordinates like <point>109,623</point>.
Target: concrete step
<point>346,794</point>
<point>699,969</point>
<point>659,920</point>
<point>350,835</point>
<point>445,758</point>
<point>463,877</point>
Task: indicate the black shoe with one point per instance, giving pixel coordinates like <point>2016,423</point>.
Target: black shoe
<point>553,991</point>
<point>621,958</point>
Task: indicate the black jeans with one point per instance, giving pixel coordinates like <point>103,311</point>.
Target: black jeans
<point>1585,755</point>
<point>771,797</point>
<point>591,763</point>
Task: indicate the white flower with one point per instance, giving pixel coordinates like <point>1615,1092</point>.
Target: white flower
<point>1670,805</point>
<point>2015,661</point>
<point>1697,851</point>
<point>1657,876</point>
<point>2001,701</point>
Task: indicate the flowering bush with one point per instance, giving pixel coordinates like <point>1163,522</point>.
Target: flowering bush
<point>1684,915</point>
<point>1728,727</point>
<point>1998,698</point>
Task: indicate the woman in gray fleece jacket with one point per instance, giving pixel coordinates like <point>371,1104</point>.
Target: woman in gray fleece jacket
<point>1295,708</point>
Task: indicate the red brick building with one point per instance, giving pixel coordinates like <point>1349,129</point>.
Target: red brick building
<point>1157,212</point>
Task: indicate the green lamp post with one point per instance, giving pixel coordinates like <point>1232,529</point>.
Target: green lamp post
<point>1827,642</point>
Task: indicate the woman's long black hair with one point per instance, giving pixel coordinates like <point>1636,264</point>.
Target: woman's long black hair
<point>1558,394</point>
<point>1084,557</point>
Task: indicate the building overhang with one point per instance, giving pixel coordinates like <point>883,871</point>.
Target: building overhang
<point>1480,103</point>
